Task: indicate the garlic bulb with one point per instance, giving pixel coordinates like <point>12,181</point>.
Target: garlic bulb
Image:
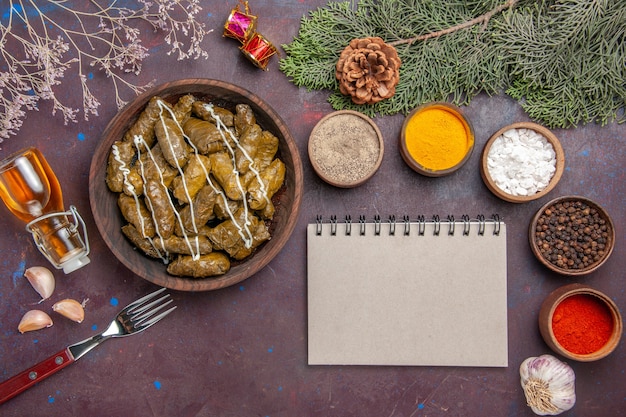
<point>548,385</point>
<point>71,309</point>
<point>42,281</point>
<point>34,320</point>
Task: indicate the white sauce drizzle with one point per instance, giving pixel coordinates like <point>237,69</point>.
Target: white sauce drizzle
<point>140,142</point>
<point>222,127</point>
<point>243,229</point>
<point>131,188</point>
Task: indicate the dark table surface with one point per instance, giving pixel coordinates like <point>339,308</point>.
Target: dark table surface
<point>242,350</point>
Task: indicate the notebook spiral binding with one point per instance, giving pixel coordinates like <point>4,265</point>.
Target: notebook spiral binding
<point>406,223</point>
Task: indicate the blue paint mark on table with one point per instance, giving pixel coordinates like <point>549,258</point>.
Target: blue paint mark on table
<point>19,272</point>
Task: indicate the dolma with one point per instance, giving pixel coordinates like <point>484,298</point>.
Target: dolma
<point>200,211</point>
<point>180,245</point>
<point>211,264</point>
<point>142,243</point>
<point>121,157</point>
<point>186,186</point>
<point>262,188</point>
<point>266,150</point>
<point>170,136</point>
<point>135,212</point>
<point>224,207</point>
<point>182,108</point>
<point>133,185</point>
<point>246,151</point>
<point>204,230</point>
<point>267,147</point>
<point>200,109</point>
<point>159,203</point>
<point>155,167</point>
<point>268,211</point>
<point>226,235</point>
<point>244,118</point>
<point>223,170</point>
<point>144,126</point>
<point>204,135</point>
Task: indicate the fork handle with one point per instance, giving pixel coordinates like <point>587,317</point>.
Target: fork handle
<point>26,379</point>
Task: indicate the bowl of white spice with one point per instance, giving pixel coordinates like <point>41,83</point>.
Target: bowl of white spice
<point>522,162</point>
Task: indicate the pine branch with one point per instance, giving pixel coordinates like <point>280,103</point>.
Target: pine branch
<point>564,60</point>
<point>483,19</point>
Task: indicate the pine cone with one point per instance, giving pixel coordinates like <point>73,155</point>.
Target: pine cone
<point>368,70</point>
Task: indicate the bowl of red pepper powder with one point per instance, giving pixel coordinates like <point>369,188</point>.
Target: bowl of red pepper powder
<point>580,323</point>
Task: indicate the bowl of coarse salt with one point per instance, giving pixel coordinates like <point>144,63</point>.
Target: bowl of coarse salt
<point>522,162</point>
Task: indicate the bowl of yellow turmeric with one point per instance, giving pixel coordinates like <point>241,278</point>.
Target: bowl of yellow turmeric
<point>436,139</point>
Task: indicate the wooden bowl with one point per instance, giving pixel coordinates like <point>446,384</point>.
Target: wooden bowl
<point>287,200</point>
<point>560,163</point>
<point>546,316</point>
<point>346,148</point>
<point>453,116</point>
<point>608,241</point>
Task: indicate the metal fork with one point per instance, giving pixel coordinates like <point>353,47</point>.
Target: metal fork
<point>134,318</point>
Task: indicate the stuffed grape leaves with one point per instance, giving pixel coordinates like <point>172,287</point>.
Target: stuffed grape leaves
<point>159,203</point>
<point>224,208</point>
<point>186,246</point>
<point>225,174</point>
<point>266,150</point>
<point>246,151</point>
<point>155,167</point>
<point>244,118</point>
<point>211,264</point>
<point>135,212</point>
<point>195,184</point>
<point>201,110</point>
<point>120,159</point>
<point>139,241</point>
<point>204,135</point>
<point>182,108</point>
<point>200,211</point>
<point>261,189</point>
<point>144,126</point>
<point>186,186</point>
<point>170,136</point>
<point>239,236</point>
<point>134,182</point>
<point>268,211</point>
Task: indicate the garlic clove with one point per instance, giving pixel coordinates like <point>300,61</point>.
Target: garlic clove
<point>71,309</point>
<point>42,280</point>
<point>34,320</point>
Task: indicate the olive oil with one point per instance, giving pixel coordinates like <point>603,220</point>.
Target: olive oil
<point>32,193</point>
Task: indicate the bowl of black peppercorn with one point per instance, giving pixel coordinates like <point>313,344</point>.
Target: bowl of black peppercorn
<point>572,235</point>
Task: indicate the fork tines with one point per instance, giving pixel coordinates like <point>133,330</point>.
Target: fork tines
<point>143,313</point>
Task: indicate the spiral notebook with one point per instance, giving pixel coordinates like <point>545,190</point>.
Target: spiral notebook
<point>411,292</point>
